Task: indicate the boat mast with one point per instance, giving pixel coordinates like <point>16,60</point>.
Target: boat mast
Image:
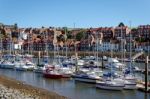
<point>121,44</point>
<point>121,47</point>
<point>97,45</point>
<point>10,43</point>
<point>55,42</point>
<point>66,41</point>
<point>130,48</point>
<point>28,42</point>
<point>46,38</point>
<point>111,48</point>
<point>1,44</point>
<point>31,45</point>
<point>76,55</point>
<point>111,59</point>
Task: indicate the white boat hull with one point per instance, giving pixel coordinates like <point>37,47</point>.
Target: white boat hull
<point>7,66</point>
<point>130,82</point>
<point>87,80</point>
<point>109,87</point>
<point>130,86</point>
<point>19,69</point>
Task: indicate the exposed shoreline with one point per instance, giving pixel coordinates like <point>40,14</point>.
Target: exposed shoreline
<point>11,87</point>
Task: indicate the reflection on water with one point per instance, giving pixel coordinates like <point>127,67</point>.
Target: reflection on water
<point>70,88</point>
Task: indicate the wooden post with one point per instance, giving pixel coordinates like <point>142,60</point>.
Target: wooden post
<point>146,74</point>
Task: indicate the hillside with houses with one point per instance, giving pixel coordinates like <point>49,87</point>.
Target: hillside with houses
<point>116,38</point>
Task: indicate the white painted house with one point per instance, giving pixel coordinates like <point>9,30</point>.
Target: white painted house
<point>107,46</point>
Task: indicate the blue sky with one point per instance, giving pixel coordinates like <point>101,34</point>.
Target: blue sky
<point>84,13</point>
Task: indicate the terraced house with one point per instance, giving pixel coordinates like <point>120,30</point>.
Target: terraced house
<point>90,39</point>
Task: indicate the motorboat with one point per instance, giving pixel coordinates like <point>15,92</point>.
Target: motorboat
<point>111,84</point>
<point>6,64</point>
<point>86,76</point>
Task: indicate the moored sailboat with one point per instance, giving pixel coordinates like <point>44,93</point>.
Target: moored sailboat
<point>110,85</point>
<point>86,76</point>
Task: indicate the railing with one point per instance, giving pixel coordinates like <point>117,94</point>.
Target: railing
<point>137,55</point>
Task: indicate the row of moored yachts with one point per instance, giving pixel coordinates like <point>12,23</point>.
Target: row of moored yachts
<point>89,74</point>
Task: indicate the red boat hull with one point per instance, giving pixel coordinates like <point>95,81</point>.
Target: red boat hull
<point>53,76</point>
<point>66,76</point>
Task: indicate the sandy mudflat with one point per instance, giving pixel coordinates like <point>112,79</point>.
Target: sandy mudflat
<point>13,89</point>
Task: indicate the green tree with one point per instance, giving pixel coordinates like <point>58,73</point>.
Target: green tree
<point>1,36</point>
<point>140,39</point>
<point>121,24</point>
<point>69,36</point>
<point>65,29</point>
<point>15,26</point>
<point>80,35</point>
<point>2,31</point>
<point>65,32</point>
<point>61,38</point>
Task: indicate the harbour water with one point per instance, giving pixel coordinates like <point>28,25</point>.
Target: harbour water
<point>70,88</point>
